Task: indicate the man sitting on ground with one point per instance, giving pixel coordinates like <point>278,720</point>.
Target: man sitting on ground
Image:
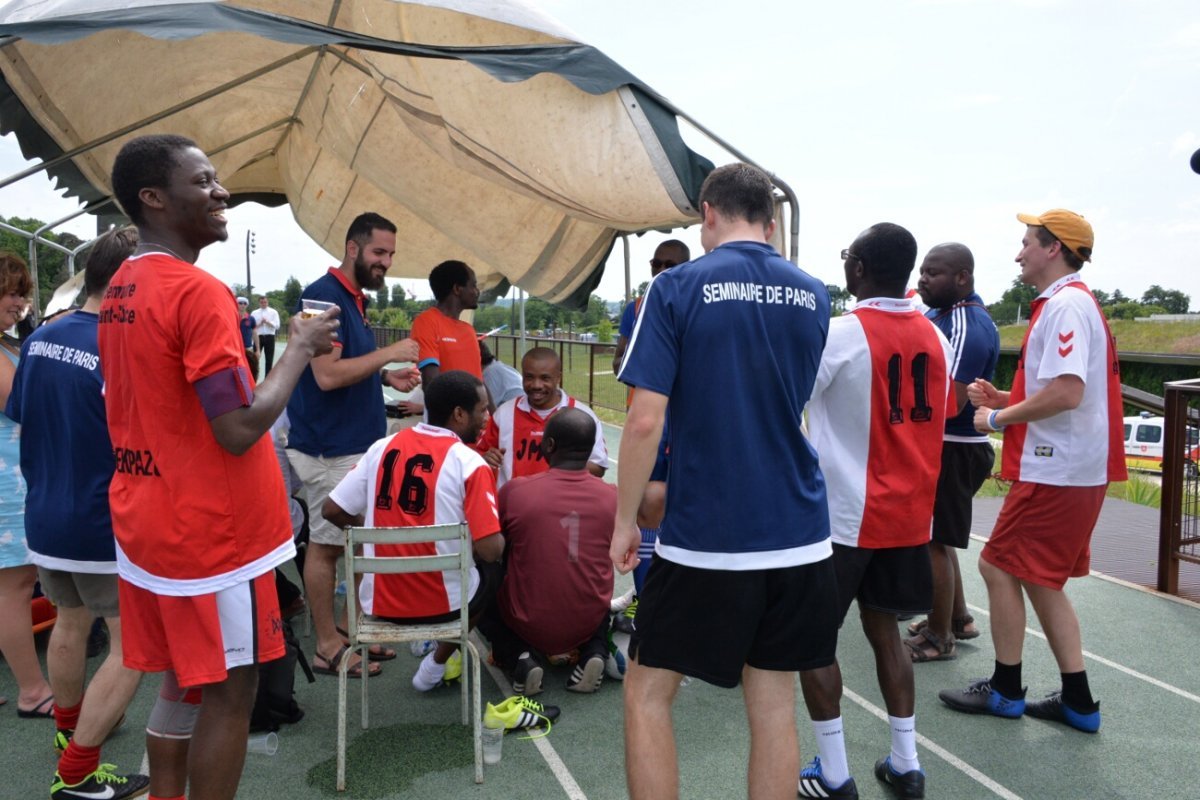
<point>512,443</point>
<point>554,596</point>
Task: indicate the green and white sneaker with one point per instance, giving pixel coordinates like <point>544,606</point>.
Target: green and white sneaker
<point>520,713</point>
<point>453,667</point>
<point>62,738</point>
<point>103,784</point>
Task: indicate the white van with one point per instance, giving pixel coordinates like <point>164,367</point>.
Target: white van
<point>1144,444</point>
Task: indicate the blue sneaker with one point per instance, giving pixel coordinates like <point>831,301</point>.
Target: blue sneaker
<point>906,785</point>
<point>1054,709</point>
<point>981,698</point>
<point>812,784</point>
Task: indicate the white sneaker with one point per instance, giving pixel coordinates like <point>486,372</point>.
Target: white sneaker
<point>621,603</point>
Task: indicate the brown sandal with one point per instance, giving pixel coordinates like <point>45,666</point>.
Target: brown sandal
<point>919,647</point>
<point>958,627</point>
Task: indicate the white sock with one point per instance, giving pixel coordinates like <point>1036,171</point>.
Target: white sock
<point>831,745</point>
<point>904,743</point>
<point>428,675</point>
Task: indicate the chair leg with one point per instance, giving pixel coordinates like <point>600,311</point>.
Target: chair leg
<point>463,645</point>
<point>341,731</point>
<point>364,665</point>
<point>477,668</point>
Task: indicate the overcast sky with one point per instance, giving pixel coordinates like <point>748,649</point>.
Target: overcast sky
<point>945,116</point>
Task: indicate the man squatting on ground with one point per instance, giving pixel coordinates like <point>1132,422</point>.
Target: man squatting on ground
<point>1063,445</point>
<point>187,423</point>
<point>758,569</point>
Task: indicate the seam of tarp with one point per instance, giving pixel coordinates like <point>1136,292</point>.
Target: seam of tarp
<point>659,159</point>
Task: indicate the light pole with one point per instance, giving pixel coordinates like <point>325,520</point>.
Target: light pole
<point>249,250</point>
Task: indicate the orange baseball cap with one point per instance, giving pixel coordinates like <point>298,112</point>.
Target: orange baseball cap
<point>1068,227</point>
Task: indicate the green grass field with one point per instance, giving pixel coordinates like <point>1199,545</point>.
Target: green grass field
<point>1134,337</point>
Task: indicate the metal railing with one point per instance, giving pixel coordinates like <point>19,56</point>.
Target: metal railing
<point>1179,520</point>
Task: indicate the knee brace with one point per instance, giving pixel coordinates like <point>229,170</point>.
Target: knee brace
<point>175,710</point>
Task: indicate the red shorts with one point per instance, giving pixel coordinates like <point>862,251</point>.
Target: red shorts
<point>1043,534</point>
<point>204,636</point>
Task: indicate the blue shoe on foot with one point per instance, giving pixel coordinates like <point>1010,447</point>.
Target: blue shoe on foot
<point>1054,709</point>
<point>812,784</point>
<point>981,698</point>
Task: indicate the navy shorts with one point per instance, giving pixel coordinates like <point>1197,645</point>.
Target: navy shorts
<point>894,580</point>
<point>710,624</point>
<point>965,466</point>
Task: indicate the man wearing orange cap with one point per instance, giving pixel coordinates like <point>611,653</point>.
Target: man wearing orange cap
<point>1062,447</point>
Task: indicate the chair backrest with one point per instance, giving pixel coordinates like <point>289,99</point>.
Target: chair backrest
<point>463,560</point>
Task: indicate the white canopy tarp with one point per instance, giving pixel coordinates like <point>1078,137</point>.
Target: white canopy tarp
<point>485,130</point>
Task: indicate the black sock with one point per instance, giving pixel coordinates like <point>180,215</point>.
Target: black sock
<point>1007,680</point>
<point>1076,694</point>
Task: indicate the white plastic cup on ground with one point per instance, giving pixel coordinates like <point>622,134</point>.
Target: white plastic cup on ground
<point>314,308</point>
<point>266,744</point>
<point>493,743</point>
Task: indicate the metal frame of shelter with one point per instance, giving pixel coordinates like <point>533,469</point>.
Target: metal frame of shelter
<point>331,39</point>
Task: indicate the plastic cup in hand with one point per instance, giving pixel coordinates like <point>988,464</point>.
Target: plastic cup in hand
<point>314,308</point>
<point>493,743</point>
<point>266,744</point>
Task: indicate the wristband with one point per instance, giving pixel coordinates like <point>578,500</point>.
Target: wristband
<point>991,420</point>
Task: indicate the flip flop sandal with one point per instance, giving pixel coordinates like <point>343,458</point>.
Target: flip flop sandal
<point>919,646</point>
<point>959,627</point>
<point>40,711</point>
<point>332,665</point>
<point>382,654</point>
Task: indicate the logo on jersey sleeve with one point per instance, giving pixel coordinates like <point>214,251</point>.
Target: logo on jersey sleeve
<point>1067,345</point>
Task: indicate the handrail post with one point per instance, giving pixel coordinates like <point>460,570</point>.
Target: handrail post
<point>1172,483</point>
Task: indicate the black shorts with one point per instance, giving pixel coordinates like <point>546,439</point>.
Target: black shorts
<point>711,623</point>
<point>894,580</point>
<point>965,466</point>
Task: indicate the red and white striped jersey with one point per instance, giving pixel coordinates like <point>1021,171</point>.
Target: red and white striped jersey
<point>517,428</point>
<point>1068,335</point>
<point>421,476</point>
<point>876,418</point>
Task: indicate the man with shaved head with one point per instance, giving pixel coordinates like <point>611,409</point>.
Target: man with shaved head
<point>512,443</point>
<point>554,597</point>
<point>947,286</point>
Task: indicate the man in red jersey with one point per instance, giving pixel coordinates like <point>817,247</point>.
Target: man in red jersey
<point>447,342</point>
<point>197,588</point>
<point>1063,445</point>
<point>512,441</point>
<point>877,415</point>
<point>427,475</point>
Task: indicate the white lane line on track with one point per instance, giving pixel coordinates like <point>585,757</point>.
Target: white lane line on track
<point>937,750</point>
<point>1133,673</point>
<point>553,760</point>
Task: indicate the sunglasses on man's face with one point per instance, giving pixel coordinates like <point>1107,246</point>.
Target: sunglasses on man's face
<point>662,264</point>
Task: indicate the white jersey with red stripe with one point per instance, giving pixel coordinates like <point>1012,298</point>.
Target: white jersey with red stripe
<point>1068,335</point>
<point>876,418</point>
<point>517,428</point>
<point>421,476</point>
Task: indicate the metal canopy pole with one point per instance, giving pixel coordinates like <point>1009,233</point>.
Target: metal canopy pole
<point>628,285</point>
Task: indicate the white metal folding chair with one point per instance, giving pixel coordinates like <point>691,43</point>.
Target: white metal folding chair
<point>366,630</point>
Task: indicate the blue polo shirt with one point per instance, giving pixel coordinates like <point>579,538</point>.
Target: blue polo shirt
<point>344,421</point>
<point>66,455</point>
<point>976,344</point>
<point>735,340</point>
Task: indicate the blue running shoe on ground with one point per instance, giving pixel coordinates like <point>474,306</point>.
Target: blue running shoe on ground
<point>905,784</point>
<point>981,698</point>
<point>1054,709</point>
<point>812,784</point>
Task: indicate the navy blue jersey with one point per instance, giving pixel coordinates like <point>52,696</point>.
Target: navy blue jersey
<point>735,340</point>
<point>345,421</point>
<point>66,455</point>
<point>975,343</point>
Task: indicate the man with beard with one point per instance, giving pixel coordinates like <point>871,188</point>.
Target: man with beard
<point>337,413</point>
<point>446,342</point>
